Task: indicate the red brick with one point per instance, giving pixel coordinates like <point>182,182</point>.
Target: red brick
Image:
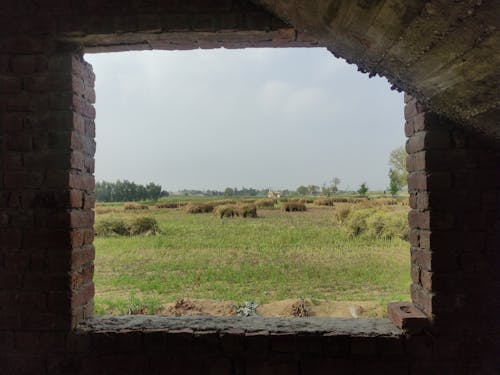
<point>124,23</point>
<point>84,182</point>
<point>61,101</point>
<point>20,142</point>
<point>276,367</point>
<point>75,198</point>
<point>6,340</point>
<point>415,273</point>
<point>321,366</point>
<point>309,343</point>
<point>232,342</point>
<point>422,299</point>
<point>406,316</point>
<point>24,45</point>
<point>428,140</point>
<point>13,161</point>
<point>82,276</point>
<point>149,23</point>
<point>82,295</point>
<point>23,180</point>
<point>364,346</point>
<point>48,82</point>
<point>9,85</point>
<point>419,219</point>
<point>26,64</point>
<point>89,201</point>
<point>283,342</point>
<point>89,128</point>
<point>180,341</point>
<point>257,343</point>
<point>81,218</point>
<point>82,257</point>
<point>4,63</point>
<point>11,122</point>
<point>413,108</point>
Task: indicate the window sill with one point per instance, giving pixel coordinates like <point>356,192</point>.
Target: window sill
<point>362,327</point>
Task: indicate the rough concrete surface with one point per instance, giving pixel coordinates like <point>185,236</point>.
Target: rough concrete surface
<point>340,326</point>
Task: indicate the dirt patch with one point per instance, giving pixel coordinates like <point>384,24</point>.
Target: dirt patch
<point>339,309</point>
<point>347,309</point>
<point>199,307</point>
<point>285,308</point>
<point>289,308</point>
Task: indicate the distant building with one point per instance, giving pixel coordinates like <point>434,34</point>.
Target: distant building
<point>273,194</point>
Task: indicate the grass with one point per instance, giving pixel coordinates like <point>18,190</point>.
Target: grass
<point>276,256</point>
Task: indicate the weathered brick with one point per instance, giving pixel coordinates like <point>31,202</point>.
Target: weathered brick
<point>9,85</point>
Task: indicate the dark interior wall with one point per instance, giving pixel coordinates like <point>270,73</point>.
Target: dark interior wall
<point>454,185</point>
<point>46,195</point>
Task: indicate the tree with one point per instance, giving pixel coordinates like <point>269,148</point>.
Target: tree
<point>397,162</point>
<point>335,182</point>
<point>363,189</point>
<point>330,188</point>
<point>313,189</point>
<point>153,191</point>
<point>394,183</point>
<point>124,191</point>
<point>229,192</point>
<point>302,190</point>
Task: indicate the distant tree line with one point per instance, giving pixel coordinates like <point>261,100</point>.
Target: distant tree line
<point>127,191</point>
<point>328,189</point>
<point>244,192</point>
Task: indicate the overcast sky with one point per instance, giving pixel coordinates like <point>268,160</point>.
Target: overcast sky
<point>263,118</point>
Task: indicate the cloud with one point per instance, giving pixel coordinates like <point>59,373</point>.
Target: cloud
<point>253,117</point>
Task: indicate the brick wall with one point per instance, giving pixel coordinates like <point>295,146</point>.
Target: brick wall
<point>46,195</point>
<point>454,184</point>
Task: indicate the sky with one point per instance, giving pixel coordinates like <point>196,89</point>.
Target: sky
<point>261,118</point>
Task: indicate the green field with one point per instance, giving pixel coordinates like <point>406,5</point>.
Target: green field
<point>277,256</point>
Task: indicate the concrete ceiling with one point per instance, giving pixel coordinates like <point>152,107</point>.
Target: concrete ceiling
<point>445,53</point>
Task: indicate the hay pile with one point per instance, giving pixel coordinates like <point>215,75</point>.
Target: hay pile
<point>113,226</point>
<point>293,206</point>
<point>134,206</point>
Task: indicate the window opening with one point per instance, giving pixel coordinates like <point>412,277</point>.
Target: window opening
<point>226,135</point>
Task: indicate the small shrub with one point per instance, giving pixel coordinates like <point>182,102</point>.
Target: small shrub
<point>247,210</point>
<point>226,211</point>
<point>293,206</point>
<point>143,225</point>
<point>323,202</point>
<point>342,213</point>
<point>167,205</point>
<point>199,207</point>
<point>373,223</point>
<point>396,226</point>
<point>183,203</point>
<point>269,202</point>
<point>134,206</point>
<point>283,199</point>
<point>113,226</point>
<point>110,226</point>
<point>355,223</point>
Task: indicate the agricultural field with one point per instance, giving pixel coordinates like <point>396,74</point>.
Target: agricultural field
<point>345,257</point>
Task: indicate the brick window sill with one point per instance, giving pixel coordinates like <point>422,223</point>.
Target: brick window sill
<point>307,326</point>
